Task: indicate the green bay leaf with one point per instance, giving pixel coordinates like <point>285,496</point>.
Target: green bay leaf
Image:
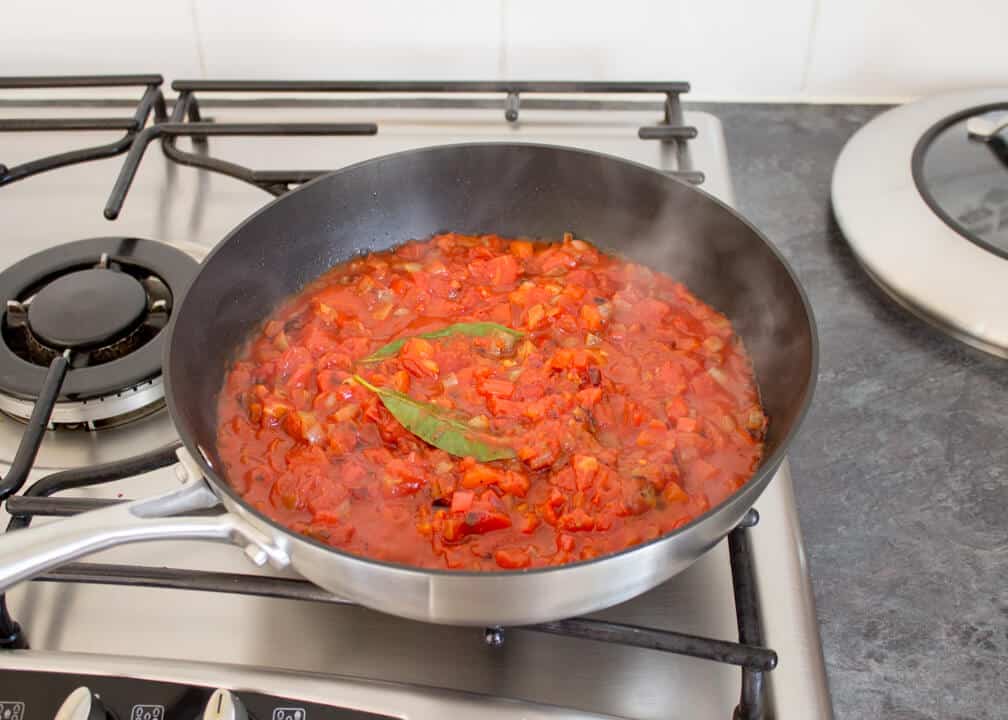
<point>434,425</point>
<point>470,329</point>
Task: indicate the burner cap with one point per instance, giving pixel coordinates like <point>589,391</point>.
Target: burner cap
<point>87,309</point>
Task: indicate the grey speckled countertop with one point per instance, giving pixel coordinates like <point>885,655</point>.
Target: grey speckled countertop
<point>901,469</point>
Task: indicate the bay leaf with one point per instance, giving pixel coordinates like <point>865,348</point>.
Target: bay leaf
<point>471,329</point>
<point>434,425</point>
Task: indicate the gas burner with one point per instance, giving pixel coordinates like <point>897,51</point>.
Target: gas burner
<point>105,302</point>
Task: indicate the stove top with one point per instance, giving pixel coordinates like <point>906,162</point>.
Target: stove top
<point>319,655</point>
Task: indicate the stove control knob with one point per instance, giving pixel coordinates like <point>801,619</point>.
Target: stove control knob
<point>82,704</point>
<point>225,705</point>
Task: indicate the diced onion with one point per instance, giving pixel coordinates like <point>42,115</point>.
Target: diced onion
<point>449,380</point>
<point>719,377</point>
<point>365,284</point>
<point>480,422</point>
<point>347,412</point>
<point>506,341</point>
<point>272,328</point>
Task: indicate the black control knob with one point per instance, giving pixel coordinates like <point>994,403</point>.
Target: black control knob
<point>82,704</point>
<point>225,705</point>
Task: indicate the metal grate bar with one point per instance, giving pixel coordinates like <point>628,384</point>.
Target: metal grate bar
<point>64,81</point>
<point>201,580</point>
<point>749,657</point>
<point>21,505</point>
<point>751,700</point>
<point>200,131</point>
<point>694,177</point>
<point>49,124</point>
<point>186,120</point>
<point>667,132</point>
<point>434,86</point>
<point>152,101</point>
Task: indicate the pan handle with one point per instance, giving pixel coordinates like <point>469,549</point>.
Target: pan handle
<point>27,553</point>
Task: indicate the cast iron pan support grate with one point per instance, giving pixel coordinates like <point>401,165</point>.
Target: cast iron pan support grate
<point>152,100</point>
<point>187,121</point>
<point>748,653</point>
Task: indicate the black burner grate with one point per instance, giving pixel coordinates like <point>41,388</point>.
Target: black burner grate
<point>187,121</point>
<point>151,101</point>
<point>748,653</point>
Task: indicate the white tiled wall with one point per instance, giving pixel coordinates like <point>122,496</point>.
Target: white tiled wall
<point>367,39</point>
<point>793,49</point>
<point>63,37</point>
<point>910,47</point>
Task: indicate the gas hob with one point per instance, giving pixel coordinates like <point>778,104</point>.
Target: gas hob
<point>154,629</point>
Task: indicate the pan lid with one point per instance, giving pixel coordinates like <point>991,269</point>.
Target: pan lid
<point>921,195</point>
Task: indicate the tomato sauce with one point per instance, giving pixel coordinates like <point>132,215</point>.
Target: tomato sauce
<point>629,406</point>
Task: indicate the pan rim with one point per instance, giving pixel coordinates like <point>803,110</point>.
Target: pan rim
<point>746,495</point>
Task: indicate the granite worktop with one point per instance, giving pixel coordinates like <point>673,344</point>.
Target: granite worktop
<point>901,469</point>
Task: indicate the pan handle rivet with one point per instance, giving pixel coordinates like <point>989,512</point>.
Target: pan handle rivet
<point>256,554</point>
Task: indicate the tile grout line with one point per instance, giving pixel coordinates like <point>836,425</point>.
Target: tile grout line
<point>502,63</point>
<point>810,48</point>
<point>200,56</point>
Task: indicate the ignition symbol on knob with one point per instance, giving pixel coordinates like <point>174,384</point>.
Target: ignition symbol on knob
<point>11,710</point>
<point>290,713</point>
<point>147,712</point>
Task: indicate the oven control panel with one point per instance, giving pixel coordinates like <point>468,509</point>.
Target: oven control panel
<point>34,695</point>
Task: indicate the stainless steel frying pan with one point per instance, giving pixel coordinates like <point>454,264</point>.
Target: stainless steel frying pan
<point>520,190</point>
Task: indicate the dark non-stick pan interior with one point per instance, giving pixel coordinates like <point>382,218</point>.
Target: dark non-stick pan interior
<point>512,190</point>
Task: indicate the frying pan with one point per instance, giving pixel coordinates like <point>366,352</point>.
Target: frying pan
<point>535,191</point>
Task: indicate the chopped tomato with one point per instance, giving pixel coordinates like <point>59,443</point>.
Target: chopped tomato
<point>503,270</point>
<point>591,319</point>
<point>501,388</point>
<point>462,500</point>
<point>686,424</point>
<point>512,558</point>
<point>481,475</point>
<point>629,405</point>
